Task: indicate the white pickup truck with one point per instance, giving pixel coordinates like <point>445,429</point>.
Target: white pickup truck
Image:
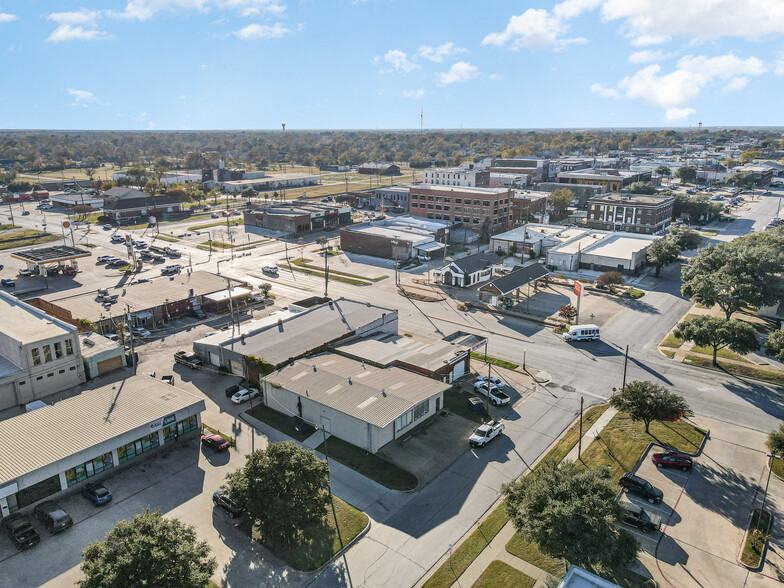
<point>485,433</point>
<point>497,397</point>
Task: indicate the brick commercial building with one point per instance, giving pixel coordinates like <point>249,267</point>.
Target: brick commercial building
<point>301,217</point>
<point>631,213</point>
<point>537,169</point>
<point>469,206</point>
<point>611,179</point>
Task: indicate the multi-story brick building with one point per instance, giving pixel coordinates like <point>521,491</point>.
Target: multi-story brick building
<point>631,213</point>
<point>612,179</point>
<point>456,176</point>
<point>470,206</point>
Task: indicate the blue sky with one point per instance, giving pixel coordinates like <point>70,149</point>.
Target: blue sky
<point>253,64</point>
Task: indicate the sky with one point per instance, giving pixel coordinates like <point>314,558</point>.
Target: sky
<point>373,64</point>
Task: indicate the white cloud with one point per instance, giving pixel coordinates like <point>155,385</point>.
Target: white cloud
<point>647,40</point>
<point>674,91</point>
<point>462,71</point>
<point>5,17</point>
<point>80,25</point>
<point>494,77</point>
<point>646,56</point>
<point>438,54</point>
<point>257,31</point>
<point>414,94</point>
<point>534,29</point>
<point>397,59</point>
<point>82,97</point>
<point>778,65</point>
<point>146,9</point>
<point>141,117</point>
<point>696,19</point>
<point>604,91</point>
<point>574,8</point>
<point>673,114</point>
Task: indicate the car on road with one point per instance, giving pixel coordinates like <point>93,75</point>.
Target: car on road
<point>107,227</point>
<point>270,269</point>
<point>198,313</point>
<point>244,394</point>
<point>641,487</point>
<point>215,215</point>
<point>103,258</point>
<point>171,269</point>
<point>7,283</point>
<point>217,442</point>
<point>22,532</point>
<point>637,516</point>
<point>497,382</point>
<point>672,459</point>
<point>485,433</point>
<point>54,518</point>
<point>25,213</point>
<point>140,332</point>
<point>46,207</point>
<point>495,395</point>
<point>117,239</point>
<point>221,499</point>
<point>97,493</point>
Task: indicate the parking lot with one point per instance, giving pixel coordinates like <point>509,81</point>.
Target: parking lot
<point>704,512</point>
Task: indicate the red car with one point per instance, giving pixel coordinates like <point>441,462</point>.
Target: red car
<point>672,459</point>
<point>217,442</point>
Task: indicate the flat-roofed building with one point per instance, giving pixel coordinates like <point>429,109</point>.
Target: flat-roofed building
<point>89,436</point>
<point>473,207</point>
<point>396,238</point>
<point>272,182</point>
<point>610,178</point>
<point>299,217</point>
<point>359,403</point>
<point>631,213</point>
<point>456,176</point>
<point>39,354</point>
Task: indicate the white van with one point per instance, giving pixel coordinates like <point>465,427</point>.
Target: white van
<point>582,333</point>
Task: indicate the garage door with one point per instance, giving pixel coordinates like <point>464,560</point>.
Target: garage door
<point>214,358</point>
<point>8,396</point>
<point>108,365</point>
<point>458,371</point>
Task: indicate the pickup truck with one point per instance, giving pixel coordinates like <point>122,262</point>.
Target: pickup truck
<point>22,532</point>
<point>157,249</point>
<point>187,358</point>
<point>172,252</point>
<point>485,433</point>
<point>491,390</point>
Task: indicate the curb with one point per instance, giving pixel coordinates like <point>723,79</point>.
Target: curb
<point>761,564</point>
<point>349,545</point>
<point>727,373</point>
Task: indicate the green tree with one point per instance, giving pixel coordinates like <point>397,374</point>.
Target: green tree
<point>137,176</point>
<point>559,200</point>
<point>179,195</point>
<point>664,171</point>
<point>148,550</point>
<point>642,188</point>
<point>265,288</point>
<point>570,512</point>
<point>647,402</point>
<point>284,489</point>
<point>687,173</point>
<point>718,333</point>
<point>193,160</point>
<point>775,345</point>
<point>729,163</point>
<point>744,180</point>
<point>685,238</point>
<point>662,252</point>
<point>776,441</point>
<point>748,156</point>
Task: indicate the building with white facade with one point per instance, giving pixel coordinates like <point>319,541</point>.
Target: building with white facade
<point>456,176</point>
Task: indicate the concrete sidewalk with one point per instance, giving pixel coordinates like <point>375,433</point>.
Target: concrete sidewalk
<point>592,433</point>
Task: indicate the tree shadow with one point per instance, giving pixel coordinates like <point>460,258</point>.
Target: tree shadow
<point>638,305</point>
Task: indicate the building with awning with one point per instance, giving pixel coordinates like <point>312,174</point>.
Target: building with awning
<point>508,287</point>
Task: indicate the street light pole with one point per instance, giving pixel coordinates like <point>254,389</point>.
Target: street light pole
<point>525,370</point>
<point>625,362</point>
<point>771,456</point>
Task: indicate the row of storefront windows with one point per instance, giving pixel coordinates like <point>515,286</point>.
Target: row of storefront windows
<point>89,468</point>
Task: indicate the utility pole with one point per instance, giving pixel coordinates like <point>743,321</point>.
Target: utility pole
<point>231,305</point>
<point>580,440</point>
<point>130,336</point>
<point>487,398</point>
<point>625,363</point>
<point>326,269</point>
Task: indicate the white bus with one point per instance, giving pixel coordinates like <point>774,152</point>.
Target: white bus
<point>582,333</point>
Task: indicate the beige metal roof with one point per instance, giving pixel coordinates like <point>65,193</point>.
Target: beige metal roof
<point>36,439</point>
<point>376,396</point>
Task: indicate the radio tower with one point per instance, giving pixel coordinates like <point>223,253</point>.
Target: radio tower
<point>700,124</point>
<point>421,119</point>
<point>284,126</point>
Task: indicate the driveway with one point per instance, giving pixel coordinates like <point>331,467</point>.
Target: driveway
<point>705,511</point>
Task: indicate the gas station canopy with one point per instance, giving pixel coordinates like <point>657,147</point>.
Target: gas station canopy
<point>49,255</point>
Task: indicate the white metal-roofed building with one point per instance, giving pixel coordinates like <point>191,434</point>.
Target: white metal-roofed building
<point>39,354</point>
<point>356,402</point>
<point>58,447</point>
<point>577,577</point>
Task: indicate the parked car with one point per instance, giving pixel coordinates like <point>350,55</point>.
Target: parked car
<point>221,498</point>
<point>485,433</point>
<point>231,390</point>
<point>146,256</point>
<point>188,358</point>
<point>638,517</point>
<point>672,459</point>
<point>198,313</point>
<point>140,332</point>
<point>244,394</point>
<point>107,227</point>
<point>25,213</point>
<point>641,487</point>
<point>117,239</point>
<point>7,283</point>
<point>97,493</point>
<point>171,269</point>
<point>54,518</point>
<point>270,269</point>
<point>104,258</point>
<point>496,396</point>
<point>497,382</point>
<point>46,207</point>
<point>217,442</point>
<point>22,532</point>
<point>139,244</point>
<point>26,273</point>
<point>69,270</point>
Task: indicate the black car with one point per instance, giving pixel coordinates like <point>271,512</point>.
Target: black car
<point>221,499</point>
<point>637,516</point>
<point>198,313</point>
<point>54,518</point>
<point>637,485</point>
<point>22,532</point>
<point>231,390</point>
<point>146,256</point>
<point>7,283</point>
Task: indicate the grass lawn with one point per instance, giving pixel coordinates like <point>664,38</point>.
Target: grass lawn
<point>369,465</point>
<point>671,341</point>
<point>750,370</point>
<point>305,263</point>
<point>501,575</point>
<point>529,552</point>
<point>7,226</point>
<point>456,401</point>
<point>569,440</point>
<point>668,352</point>
<point>778,467</point>
<point>276,420</point>
<point>206,226</point>
<point>494,361</point>
<point>228,438</point>
<point>166,238</point>
<point>723,353</point>
<point>25,238</point>
<point>622,442</point>
<point>755,539</point>
<point>320,274</point>
<point>323,544</point>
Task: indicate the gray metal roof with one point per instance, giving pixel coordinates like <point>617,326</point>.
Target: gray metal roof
<point>384,349</point>
<point>36,439</point>
<point>376,396</point>
<point>476,262</point>
<point>518,278</point>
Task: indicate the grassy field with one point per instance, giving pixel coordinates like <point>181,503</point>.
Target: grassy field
<point>755,538</point>
<point>723,353</point>
<point>370,465</point>
<point>747,370</point>
<point>668,352</point>
<point>332,276</point>
<point>671,341</point>
<point>25,238</point>
<point>206,226</point>
<point>165,238</point>
<point>101,173</point>
<point>529,552</point>
<point>7,226</point>
<point>276,420</point>
<point>305,263</point>
<point>494,361</point>
<point>501,575</point>
<point>778,467</point>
